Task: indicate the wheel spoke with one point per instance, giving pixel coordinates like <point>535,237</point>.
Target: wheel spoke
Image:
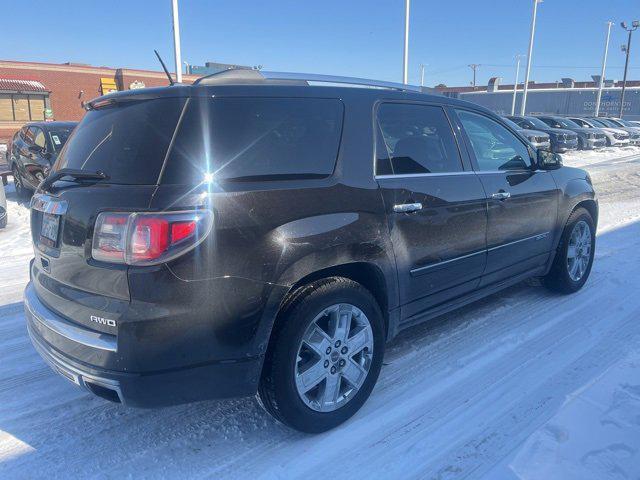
<point>361,339</point>
<point>354,373</point>
<point>573,268</point>
<point>343,316</point>
<point>331,391</point>
<point>317,340</point>
<point>571,251</point>
<point>311,377</point>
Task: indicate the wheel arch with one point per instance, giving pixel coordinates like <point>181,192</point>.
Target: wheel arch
<point>367,274</point>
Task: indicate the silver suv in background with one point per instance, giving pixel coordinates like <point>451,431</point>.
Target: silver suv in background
<point>633,129</point>
<point>538,139</point>
<point>616,137</point>
<point>588,138</point>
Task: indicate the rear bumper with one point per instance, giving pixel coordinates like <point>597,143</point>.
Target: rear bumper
<point>222,379</point>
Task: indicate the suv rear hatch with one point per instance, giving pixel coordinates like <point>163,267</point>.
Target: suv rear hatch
<point>127,141</point>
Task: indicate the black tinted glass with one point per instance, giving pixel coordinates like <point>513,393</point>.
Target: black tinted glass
<point>128,142</point>
<point>414,139</point>
<point>246,139</point>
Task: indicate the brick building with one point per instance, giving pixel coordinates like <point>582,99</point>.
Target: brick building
<point>31,91</point>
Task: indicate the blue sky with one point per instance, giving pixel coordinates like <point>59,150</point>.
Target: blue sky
<point>348,37</point>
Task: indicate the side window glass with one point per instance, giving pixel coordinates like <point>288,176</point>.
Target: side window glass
<point>39,138</point>
<point>495,147</point>
<point>414,139</point>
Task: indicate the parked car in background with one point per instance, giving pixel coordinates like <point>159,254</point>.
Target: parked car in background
<point>537,138</point>
<point>588,138</point>
<point>616,136</point>
<point>633,130</point>
<point>3,207</point>
<point>228,237</point>
<point>33,150</point>
<point>562,140</point>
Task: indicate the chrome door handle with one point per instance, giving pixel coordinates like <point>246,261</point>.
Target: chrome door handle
<point>407,207</point>
<point>501,195</point>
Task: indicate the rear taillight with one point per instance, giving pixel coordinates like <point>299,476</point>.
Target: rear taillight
<point>148,238</point>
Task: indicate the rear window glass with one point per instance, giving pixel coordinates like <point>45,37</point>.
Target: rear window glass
<point>245,139</point>
<point>128,142</point>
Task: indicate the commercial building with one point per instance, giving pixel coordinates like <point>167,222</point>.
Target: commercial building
<point>31,91</point>
<point>566,97</point>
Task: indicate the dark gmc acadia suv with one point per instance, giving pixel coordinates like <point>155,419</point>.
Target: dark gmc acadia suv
<point>257,233</point>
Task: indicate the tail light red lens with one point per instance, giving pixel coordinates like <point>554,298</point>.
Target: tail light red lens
<point>148,238</point>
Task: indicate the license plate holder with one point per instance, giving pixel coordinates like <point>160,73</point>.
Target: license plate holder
<point>49,229</point>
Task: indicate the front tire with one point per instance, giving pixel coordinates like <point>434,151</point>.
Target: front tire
<point>574,256</point>
<point>324,357</point>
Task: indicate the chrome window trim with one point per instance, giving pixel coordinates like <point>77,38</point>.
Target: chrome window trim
<point>435,174</point>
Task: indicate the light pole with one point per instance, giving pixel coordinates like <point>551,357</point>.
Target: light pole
<point>515,85</point>
<point>604,66</point>
<point>422,65</point>
<point>405,56</point>
<point>634,25</point>
<point>523,106</point>
<point>474,67</point>
<point>176,40</point>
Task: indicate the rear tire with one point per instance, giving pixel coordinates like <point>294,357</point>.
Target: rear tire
<point>574,256</point>
<point>283,389</point>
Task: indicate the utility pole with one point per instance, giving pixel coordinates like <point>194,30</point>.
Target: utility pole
<point>405,57</point>
<point>474,67</point>
<point>523,106</point>
<point>634,25</point>
<point>604,67</point>
<point>515,85</point>
<point>176,40</point>
<point>422,65</point>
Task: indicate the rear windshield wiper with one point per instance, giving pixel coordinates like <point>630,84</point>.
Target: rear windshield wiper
<point>74,173</point>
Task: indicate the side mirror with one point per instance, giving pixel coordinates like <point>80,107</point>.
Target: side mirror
<point>549,160</point>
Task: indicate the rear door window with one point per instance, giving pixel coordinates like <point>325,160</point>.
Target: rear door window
<point>414,139</point>
<point>128,141</point>
<point>247,139</point>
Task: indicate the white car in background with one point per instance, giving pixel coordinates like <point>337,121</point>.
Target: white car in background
<point>631,127</point>
<point>616,137</point>
<point>3,207</point>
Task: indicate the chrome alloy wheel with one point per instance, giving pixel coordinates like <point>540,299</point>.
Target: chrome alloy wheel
<point>579,251</point>
<point>334,357</point>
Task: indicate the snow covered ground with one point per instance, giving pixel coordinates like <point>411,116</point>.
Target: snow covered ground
<point>522,385</point>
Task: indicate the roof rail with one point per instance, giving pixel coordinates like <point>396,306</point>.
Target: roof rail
<point>252,76</point>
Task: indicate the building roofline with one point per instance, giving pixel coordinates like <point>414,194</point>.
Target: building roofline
<point>79,68</point>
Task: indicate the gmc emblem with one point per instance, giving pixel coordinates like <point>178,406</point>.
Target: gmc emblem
<point>103,321</point>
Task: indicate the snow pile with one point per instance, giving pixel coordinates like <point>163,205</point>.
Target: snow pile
<point>585,158</point>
